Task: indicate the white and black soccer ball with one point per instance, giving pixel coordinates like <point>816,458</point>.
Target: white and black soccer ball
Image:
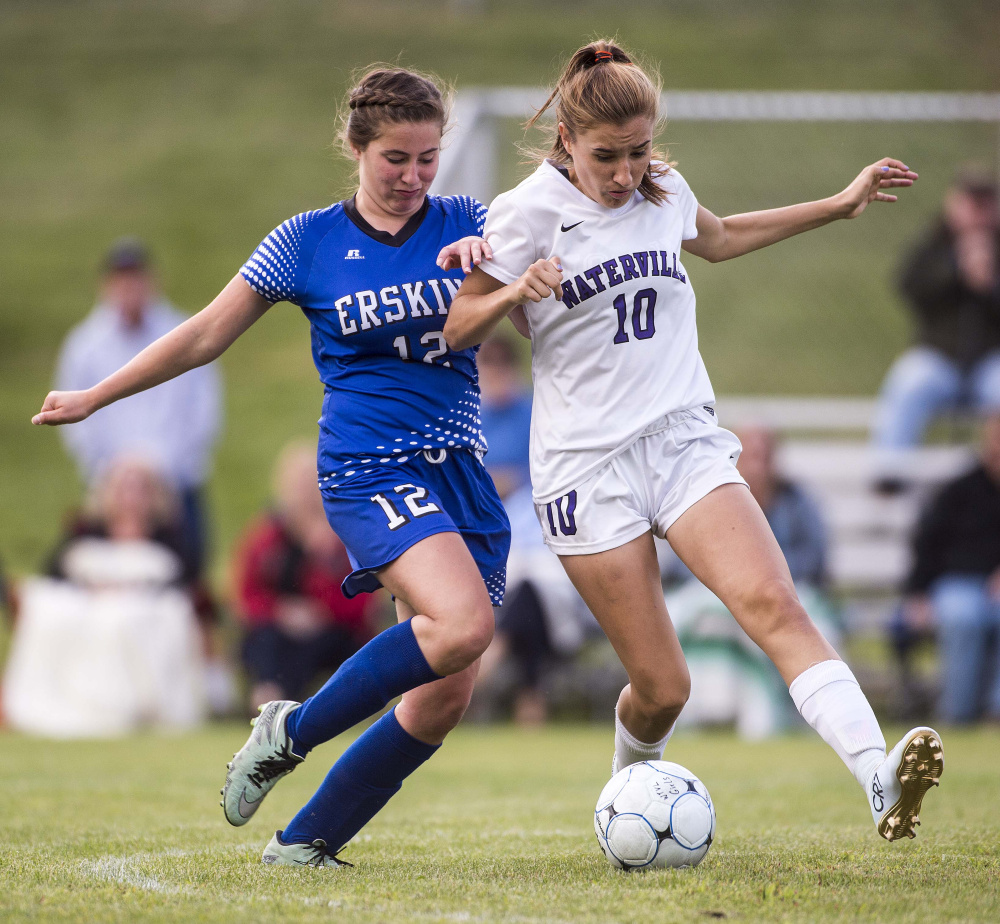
<point>654,814</point>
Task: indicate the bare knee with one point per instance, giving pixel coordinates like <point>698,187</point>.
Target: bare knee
<point>772,608</point>
<point>456,639</point>
<point>775,619</point>
<point>472,636</point>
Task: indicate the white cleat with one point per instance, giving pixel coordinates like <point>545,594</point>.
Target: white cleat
<point>260,763</point>
<point>277,853</point>
<point>897,787</point>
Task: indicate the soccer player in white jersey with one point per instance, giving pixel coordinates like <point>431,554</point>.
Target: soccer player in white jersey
<point>587,261</point>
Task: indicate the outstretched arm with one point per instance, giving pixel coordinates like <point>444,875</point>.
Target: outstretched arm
<point>199,340</point>
<point>724,238</point>
<point>483,302</point>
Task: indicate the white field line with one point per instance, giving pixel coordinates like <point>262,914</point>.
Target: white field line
<point>126,871</point>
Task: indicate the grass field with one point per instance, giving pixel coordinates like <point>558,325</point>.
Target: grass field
<point>496,828</point>
<point>201,125</point>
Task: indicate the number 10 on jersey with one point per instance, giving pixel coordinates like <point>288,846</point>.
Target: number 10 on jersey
<point>643,321</point>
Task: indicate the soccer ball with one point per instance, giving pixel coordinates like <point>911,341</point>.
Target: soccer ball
<point>654,814</point>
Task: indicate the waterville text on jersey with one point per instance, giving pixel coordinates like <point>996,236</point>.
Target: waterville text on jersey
<point>619,270</point>
<point>361,311</point>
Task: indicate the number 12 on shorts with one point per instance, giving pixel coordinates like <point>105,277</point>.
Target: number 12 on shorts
<point>561,514</point>
<point>412,501</point>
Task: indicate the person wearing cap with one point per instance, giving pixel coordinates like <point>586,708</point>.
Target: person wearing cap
<point>950,280</point>
<point>175,426</point>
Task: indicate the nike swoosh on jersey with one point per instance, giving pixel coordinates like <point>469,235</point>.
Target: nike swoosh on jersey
<point>250,805</point>
<point>571,227</point>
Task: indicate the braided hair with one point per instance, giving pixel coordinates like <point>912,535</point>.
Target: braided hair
<point>387,94</point>
<point>602,85</point>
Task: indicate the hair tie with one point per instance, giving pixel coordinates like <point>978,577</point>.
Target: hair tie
<point>601,56</point>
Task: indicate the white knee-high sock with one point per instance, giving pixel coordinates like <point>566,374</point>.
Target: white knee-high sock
<point>829,698</point>
<point>630,750</point>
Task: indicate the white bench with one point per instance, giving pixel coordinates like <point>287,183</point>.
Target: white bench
<point>824,448</point>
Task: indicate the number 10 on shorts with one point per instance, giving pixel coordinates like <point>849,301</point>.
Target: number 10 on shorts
<point>412,501</point>
<point>562,514</point>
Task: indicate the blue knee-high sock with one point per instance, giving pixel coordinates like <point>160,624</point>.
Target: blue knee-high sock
<point>369,773</point>
<point>388,666</point>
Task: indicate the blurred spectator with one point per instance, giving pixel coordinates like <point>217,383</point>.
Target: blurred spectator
<point>110,641</point>
<point>793,516</point>
<point>129,502</point>
<point>732,680</point>
<point>543,621</point>
<point>954,585</point>
<point>175,424</point>
<point>951,282</point>
<point>288,573</point>
<point>541,626</point>
<point>505,413</point>
<point>131,506</point>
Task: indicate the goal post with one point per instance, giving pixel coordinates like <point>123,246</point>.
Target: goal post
<point>469,161</point>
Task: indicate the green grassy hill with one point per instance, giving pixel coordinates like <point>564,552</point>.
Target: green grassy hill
<point>201,125</point>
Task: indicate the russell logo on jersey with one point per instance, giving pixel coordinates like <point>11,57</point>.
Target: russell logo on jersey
<point>618,270</point>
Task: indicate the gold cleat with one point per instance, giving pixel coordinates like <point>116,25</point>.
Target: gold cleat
<point>919,763</point>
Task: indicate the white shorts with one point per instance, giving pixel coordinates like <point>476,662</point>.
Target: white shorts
<point>674,463</point>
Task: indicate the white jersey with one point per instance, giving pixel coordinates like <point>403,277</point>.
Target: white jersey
<point>621,348</point>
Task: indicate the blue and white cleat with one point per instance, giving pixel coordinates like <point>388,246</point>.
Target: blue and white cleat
<point>898,785</point>
<point>260,763</point>
<point>278,853</point>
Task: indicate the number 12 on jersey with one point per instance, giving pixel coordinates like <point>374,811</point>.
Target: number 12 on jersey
<point>412,501</point>
<point>435,337</point>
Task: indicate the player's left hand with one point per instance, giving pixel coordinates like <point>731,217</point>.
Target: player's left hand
<point>466,253</point>
<point>63,407</point>
<point>887,173</point>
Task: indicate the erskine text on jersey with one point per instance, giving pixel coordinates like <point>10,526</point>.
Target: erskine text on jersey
<point>367,309</point>
<point>377,304</point>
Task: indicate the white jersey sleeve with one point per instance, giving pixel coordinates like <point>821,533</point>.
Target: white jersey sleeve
<point>508,232</point>
<point>686,203</point>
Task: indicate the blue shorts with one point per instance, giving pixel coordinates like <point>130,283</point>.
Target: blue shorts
<point>379,515</point>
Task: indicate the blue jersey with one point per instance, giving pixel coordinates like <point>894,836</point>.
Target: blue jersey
<point>377,304</point>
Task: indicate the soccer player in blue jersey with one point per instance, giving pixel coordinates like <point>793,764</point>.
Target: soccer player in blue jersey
<point>399,458</point>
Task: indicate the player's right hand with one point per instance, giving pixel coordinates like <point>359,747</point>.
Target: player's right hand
<point>63,407</point>
<point>540,280</point>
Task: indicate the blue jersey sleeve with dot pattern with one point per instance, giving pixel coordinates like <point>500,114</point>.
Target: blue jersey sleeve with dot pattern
<point>473,209</point>
<point>279,268</point>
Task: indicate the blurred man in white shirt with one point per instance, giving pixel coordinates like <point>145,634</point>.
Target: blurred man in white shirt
<point>174,425</point>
